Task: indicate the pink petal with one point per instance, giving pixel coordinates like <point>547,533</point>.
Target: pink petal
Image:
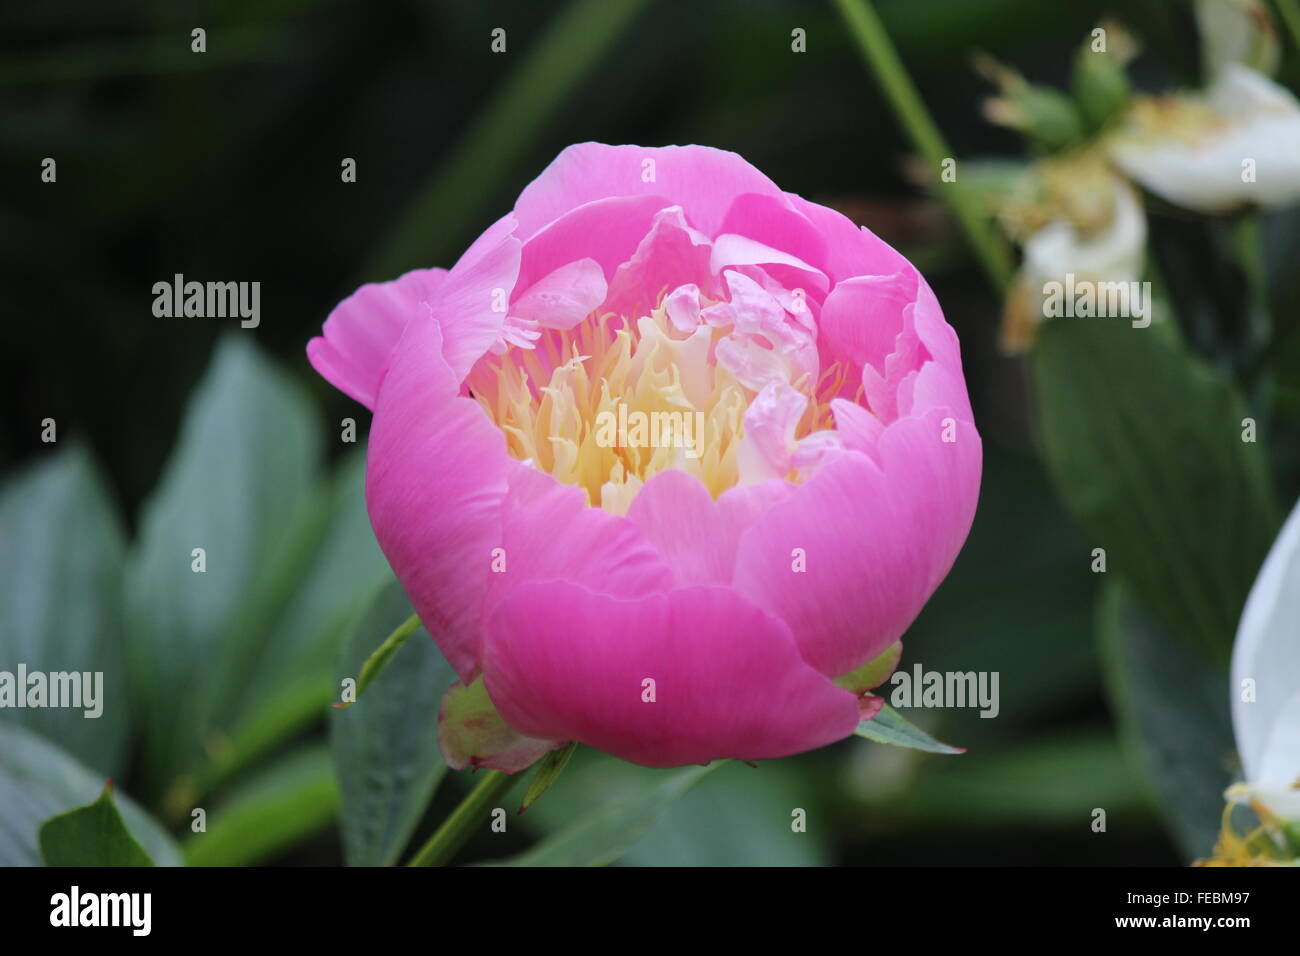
<point>697,536</point>
<point>683,307</point>
<point>889,395</point>
<point>858,428</point>
<point>862,318</point>
<point>773,221</point>
<point>768,444</point>
<point>938,337</point>
<point>733,250</point>
<point>608,230</point>
<point>876,541</point>
<point>351,353</point>
<point>937,386</point>
<point>469,305</point>
<point>702,180</point>
<point>564,297</point>
<point>549,533</point>
<point>563,663</point>
<point>436,476</point>
<point>850,250</point>
<point>670,255</point>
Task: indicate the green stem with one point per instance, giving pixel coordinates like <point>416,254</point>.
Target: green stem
<point>1250,252</point>
<point>909,108</point>
<point>457,828</point>
<point>1290,13</point>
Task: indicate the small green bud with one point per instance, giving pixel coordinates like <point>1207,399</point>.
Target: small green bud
<point>1100,86</point>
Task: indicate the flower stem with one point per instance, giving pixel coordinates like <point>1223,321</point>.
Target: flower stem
<point>457,828</point>
<point>909,108</point>
<point>1248,234</point>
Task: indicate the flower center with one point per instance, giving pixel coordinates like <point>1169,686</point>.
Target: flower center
<point>612,402</point>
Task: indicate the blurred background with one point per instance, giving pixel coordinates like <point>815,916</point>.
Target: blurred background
<point>226,165</point>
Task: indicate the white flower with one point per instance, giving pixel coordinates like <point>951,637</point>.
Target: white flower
<point>1266,715</point>
<point>1063,252</point>
<point>1114,253</point>
<point>1237,144</point>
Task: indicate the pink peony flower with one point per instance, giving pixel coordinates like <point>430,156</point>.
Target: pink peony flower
<point>663,456</point>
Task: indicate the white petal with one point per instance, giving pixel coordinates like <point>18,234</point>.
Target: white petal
<point>1267,651</point>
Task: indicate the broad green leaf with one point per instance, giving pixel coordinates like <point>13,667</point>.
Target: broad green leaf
<point>39,780</point>
<point>293,799</point>
<point>1145,444</point>
<point>601,837</point>
<point>346,567</point>
<point>1172,709</point>
<point>236,486</point>
<point>93,835</point>
<point>288,672</point>
<point>742,816</point>
<point>889,727</point>
<point>385,746</point>
<point>60,605</point>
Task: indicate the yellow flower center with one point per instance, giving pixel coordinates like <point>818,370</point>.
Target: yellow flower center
<point>623,401</point>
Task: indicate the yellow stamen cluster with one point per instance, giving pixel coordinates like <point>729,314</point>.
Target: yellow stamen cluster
<point>1262,846</point>
<point>554,404</point>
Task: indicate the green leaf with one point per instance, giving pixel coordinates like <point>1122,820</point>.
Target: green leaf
<point>285,680</point>
<point>236,486</point>
<point>93,835</point>
<point>345,568</point>
<point>385,746</point>
<point>603,836</point>
<point>1144,442</point>
<point>888,727</point>
<point>294,798</point>
<point>60,603</point>
<point>1172,710</point>
<point>548,771</point>
<point>742,817</point>
<point>39,780</point>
